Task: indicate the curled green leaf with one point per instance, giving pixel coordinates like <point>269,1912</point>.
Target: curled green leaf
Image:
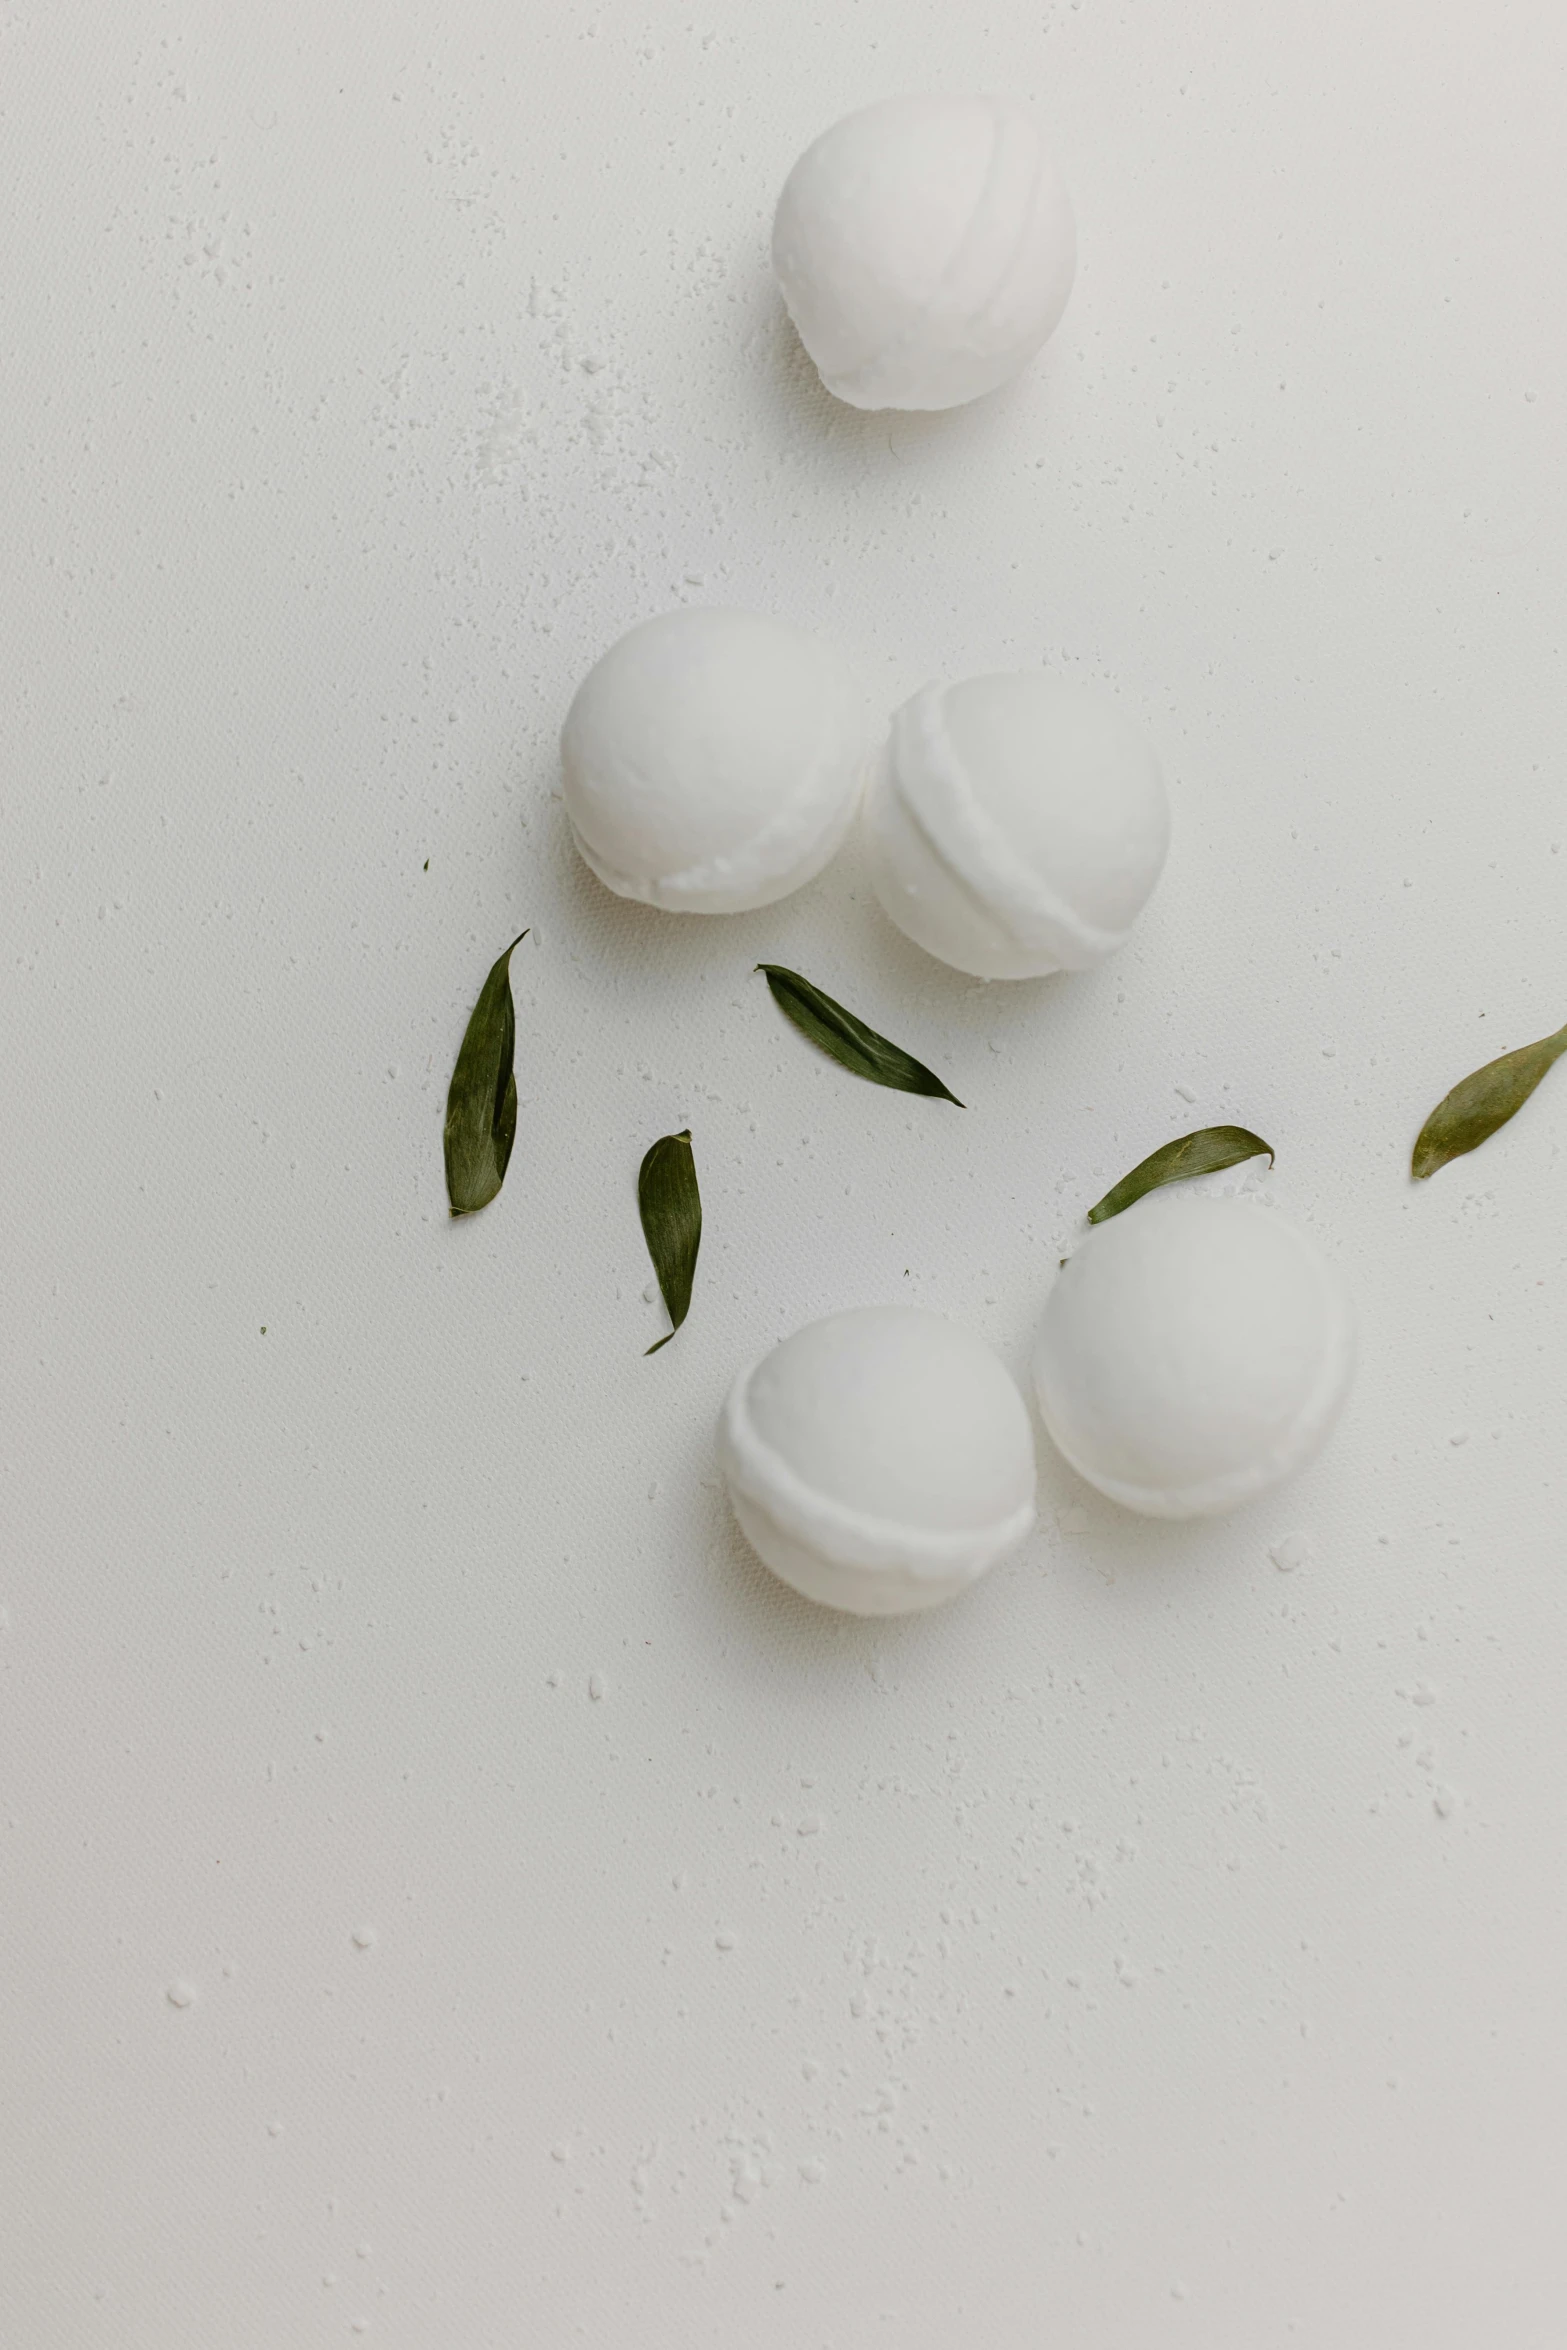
<point>481,1103</point>
<point>1202,1153</point>
<point>849,1042</point>
<point>1478,1105</point>
<point>671,1207</point>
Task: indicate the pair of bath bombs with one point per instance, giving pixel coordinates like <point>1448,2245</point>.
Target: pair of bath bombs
<point>1193,1354</point>
<point>713,762</point>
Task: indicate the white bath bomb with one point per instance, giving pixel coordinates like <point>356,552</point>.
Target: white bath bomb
<point>1194,1353</point>
<point>925,248</point>
<point>713,760</point>
<point>880,1460</point>
<point>1016,825</point>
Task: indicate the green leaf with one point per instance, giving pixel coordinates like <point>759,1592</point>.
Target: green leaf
<point>850,1043</point>
<point>481,1105</point>
<point>671,1207</point>
<point>1476,1107</point>
<point>1202,1153</point>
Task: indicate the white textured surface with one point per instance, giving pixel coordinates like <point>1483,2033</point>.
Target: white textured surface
<point>581,1940</point>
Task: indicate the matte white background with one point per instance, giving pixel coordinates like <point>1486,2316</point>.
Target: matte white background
<point>1155,1949</point>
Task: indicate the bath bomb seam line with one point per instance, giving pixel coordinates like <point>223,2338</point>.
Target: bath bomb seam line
<point>975,850</point>
<point>741,863</point>
<point>1297,1446</point>
<point>851,1536</point>
<point>621,785</point>
<point>1024,229</point>
<point>844,377</point>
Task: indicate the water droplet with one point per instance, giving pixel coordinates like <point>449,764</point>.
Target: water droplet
<point>560,2152</point>
<point>595,1686</point>
<point>1459,1436</point>
<point>274,2129</point>
<point>724,1941</point>
<point>363,1937</point>
<point>181,1993</point>
<point>811,1827</point>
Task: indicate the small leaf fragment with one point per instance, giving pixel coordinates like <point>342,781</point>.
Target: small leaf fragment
<point>671,1209</point>
<point>1202,1153</point>
<point>481,1103</point>
<point>847,1040</point>
<point>1479,1104</point>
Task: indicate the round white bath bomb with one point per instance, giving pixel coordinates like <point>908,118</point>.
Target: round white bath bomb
<point>925,248</point>
<point>880,1460</point>
<point>1194,1353</point>
<point>1016,825</point>
<point>713,760</point>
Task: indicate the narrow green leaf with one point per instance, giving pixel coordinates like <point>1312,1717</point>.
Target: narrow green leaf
<point>481,1105</point>
<point>1477,1106</point>
<point>850,1043</point>
<point>1202,1153</point>
<point>671,1207</point>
